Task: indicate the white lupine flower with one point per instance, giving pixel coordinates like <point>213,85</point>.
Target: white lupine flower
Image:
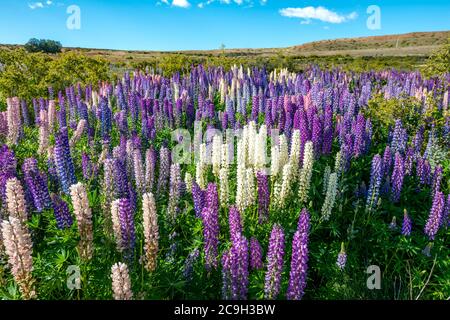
<point>14,120</point>
<point>284,153</point>
<point>338,163</point>
<point>223,187</point>
<point>83,215</point>
<point>294,157</point>
<point>275,161</point>
<point>151,232</point>
<point>306,172</point>
<point>116,224</point>
<point>19,249</point>
<point>15,199</point>
<point>201,168</point>
<point>139,177</point>
<point>250,143</point>
<point>240,187</point>
<point>277,193</point>
<point>260,148</point>
<point>286,186</point>
<point>330,198</point>
<point>250,196</point>
<point>121,283</point>
<point>326,177</point>
<point>188,182</point>
<point>216,154</point>
<point>78,132</point>
<point>225,156</point>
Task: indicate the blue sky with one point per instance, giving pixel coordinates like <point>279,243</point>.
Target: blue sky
<point>206,24</point>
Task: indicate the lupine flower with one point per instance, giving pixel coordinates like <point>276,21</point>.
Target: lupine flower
<point>15,200</point>
<point>127,232</point>
<point>121,284</point>
<point>375,182</point>
<point>299,259</point>
<point>437,178</point>
<point>263,196</point>
<point>61,212</point>
<point>189,264</point>
<point>239,263</point>
<point>43,132</point>
<point>255,254</point>
<point>63,161</point>
<point>164,170</point>
<point>210,236</point>
<point>435,217</point>
<point>342,258</point>
<point>397,177</point>
<point>19,248</point>
<point>198,197</point>
<point>36,183</point>
<point>150,162</point>
<point>306,172</point>
<point>14,120</point>
<point>223,186</point>
<point>175,191</point>
<point>407,224</point>
<point>275,256</point>
<point>330,197</point>
<point>83,215</point>
<point>151,233</point>
<point>234,218</point>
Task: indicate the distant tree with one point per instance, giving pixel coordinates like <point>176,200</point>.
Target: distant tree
<point>43,45</point>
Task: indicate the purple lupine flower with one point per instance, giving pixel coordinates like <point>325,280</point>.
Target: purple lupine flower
<point>435,217</point>
<point>127,224</point>
<point>263,196</point>
<point>226,274</point>
<point>399,137</point>
<point>437,179</point>
<point>397,177</point>
<point>275,256</point>
<point>255,254</point>
<point>189,264</point>
<point>327,131</point>
<point>407,224</point>
<point>198,196</point>
<point>234,218</point>
<point>316,137</point>
<point>387,162</point>
<point>375,181</point>
<point>423,171</point>
<point>212,198</point>
<point>418,140</point>
<point>121,189</point>
<point>61,212</point>
<point>63,161</point>
<point>239,263</point>
<point>210,236</point>
<point>86,165</point>
<point>341,260</point>
<point>299,259</point>
<point>446,216</point>
<point>36,183</point>
<point>409,160</point>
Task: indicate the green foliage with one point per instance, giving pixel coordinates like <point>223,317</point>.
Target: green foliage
<point>438,63</point>
<point>383,113</point>
<point>43,45</point>
<point>28,75</point>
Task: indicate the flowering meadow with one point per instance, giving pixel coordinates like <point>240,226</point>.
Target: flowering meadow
<point>229,184</point>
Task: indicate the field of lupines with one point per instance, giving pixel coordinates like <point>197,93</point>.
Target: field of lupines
<point>237,184</point>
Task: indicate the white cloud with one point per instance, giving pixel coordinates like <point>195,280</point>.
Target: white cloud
<point>238,2</point>
<point>318,13</point>
<point>35,5</point>
<point>181,3</point>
